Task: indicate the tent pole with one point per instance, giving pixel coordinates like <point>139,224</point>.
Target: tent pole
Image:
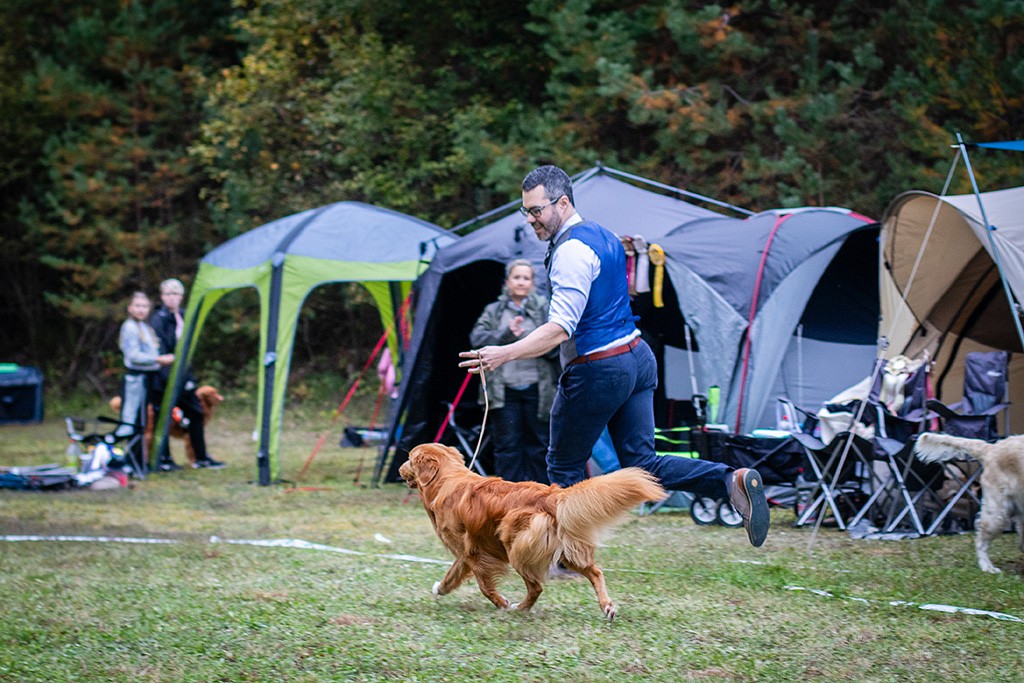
<point>800,364</point>
<point>989,229</point>
<point>270,368</point>
<point>689,357</point>
<point>685,193</point>
<point>905,290</point>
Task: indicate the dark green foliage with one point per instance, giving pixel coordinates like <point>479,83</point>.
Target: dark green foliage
<point>112,204</point>
<point>138,135</point>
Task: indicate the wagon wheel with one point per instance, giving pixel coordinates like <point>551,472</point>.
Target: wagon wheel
<point>727,515</point>
<point>704,510</point>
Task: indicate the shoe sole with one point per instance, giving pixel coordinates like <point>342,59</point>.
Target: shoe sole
<point>757,524</point>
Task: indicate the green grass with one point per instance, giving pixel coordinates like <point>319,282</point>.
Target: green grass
<point>695,603</point>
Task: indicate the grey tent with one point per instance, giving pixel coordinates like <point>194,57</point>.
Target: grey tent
<point>784,303</point>
<point>286,259</point>
<point>467,275</point>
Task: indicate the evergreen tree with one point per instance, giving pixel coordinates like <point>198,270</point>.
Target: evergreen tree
<point>119,207</point>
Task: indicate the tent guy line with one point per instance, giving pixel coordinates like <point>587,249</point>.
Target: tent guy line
<point>307,545</point>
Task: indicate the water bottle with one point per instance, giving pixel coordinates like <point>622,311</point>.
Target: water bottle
<point>714,396</point>
<point>71,455</point>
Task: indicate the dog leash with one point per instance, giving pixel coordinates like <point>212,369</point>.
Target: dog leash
<point>487,406</point>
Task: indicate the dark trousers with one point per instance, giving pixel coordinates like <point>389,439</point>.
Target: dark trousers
<point>619,392</point>
<point>191,410</point>
<point>520,438</point>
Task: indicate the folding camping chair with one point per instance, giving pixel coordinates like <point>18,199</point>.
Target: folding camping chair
<point>953,501</point>
<point>841,476</point>
<point>904,482</point>
<point>985,392</point>
<point>93,447</point>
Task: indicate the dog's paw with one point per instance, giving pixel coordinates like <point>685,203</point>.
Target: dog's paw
<point>987,566</point>
<point>513,605</point>
<point>610,610</point>
<point>436,590</point>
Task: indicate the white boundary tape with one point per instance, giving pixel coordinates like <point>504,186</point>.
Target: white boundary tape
<point>272,543</point>
<point>950,609</point>
<point>307,545</point>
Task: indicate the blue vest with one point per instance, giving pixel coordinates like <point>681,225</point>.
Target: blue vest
<point>607,316</point>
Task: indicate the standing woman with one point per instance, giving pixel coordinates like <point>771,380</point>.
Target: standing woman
<point>520,392</point>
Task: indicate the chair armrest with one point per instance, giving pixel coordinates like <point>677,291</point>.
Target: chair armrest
<point>942,410</point>
<point>992,410</point>
<point>808,441</point>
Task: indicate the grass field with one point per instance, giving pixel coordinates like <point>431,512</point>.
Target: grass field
<point>695,603</point>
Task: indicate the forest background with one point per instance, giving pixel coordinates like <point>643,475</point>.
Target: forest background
<point>136,135</point>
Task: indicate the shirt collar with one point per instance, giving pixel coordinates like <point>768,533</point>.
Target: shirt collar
<point>571,221</point>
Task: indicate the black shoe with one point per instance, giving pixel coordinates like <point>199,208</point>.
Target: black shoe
<point>209,463</point>
<point>747,495</point>
<point>168,466</point>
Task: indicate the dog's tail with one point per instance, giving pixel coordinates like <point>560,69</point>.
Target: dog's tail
<point>933,447</point>
<point>595,505</point>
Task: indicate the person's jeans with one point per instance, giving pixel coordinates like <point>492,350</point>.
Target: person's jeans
<point>619,392</point>
<point>520,438</point>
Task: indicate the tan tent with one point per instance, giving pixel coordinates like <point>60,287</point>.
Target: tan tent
<point>952,272</point>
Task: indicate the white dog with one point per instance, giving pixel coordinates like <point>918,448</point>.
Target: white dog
<point>1002,483</point>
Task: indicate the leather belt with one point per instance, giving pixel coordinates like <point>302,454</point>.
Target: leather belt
<point>607,353</point>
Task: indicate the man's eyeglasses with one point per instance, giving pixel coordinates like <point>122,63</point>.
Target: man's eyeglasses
<point>536,211</point>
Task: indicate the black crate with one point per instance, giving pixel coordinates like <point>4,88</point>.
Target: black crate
<point>21,394</point>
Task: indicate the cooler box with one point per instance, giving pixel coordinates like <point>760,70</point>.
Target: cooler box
<point>21,394</point>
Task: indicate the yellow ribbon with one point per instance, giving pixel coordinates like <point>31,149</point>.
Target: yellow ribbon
<point>657,256</point>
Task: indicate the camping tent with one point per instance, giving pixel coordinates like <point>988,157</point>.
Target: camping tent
<point>783,303</point>
<point>284,260</point>
<point>939,255</point>
<point>807,280</point>
<point>467,275</point>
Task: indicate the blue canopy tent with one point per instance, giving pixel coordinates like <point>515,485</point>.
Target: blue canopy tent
<point>284,260</point>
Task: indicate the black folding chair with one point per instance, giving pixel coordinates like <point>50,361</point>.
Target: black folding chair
<point>985,391</point>
<point>125,443</point>
<point>840,477</point>
<point>904,483</point>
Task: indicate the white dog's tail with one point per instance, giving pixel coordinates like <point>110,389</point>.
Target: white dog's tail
<point>595,505</point>
<point>933,447</point>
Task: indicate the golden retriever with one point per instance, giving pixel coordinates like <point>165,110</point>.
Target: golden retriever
<point>208,397</point>
<point>1002,483</point>
<point>488,523</point>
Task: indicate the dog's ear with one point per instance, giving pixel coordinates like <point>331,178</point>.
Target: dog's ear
<point>425,472</point>
<point>426,461</point>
